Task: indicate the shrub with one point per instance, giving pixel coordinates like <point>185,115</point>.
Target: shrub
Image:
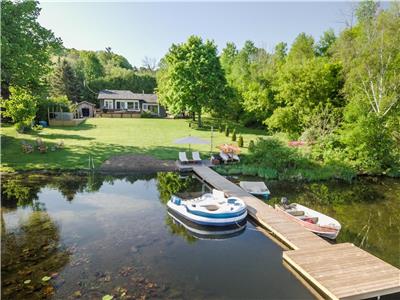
<point>226,130</point>
<point>234,135</point>
<point>240,141</point>
<point>221,128</point>
<point>251,146</point>
<point>148,115</point>
<point>272,153</point>
<point>21,108</point>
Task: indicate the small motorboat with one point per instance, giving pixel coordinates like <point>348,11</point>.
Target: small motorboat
<point>256,188</point>
<point>312,220</point>
<point>208,232</point>
<point>210,209</point>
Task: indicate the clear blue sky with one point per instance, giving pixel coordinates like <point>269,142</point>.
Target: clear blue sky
<point>136,30</point>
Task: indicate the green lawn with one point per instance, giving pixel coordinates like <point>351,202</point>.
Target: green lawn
<point>102,138</point>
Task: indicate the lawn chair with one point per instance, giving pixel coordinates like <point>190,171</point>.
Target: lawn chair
<point>26,148</point>
<point>196,157</point>
<point>182,158</point>
<point>41,145</point>
<point>234,157</point>
<point>60,145</point>
<point>224,157</point>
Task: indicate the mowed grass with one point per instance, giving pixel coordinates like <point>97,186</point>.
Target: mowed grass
<point>102,138</point>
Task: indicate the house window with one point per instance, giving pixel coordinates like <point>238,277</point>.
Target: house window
<point>108,104</point>
<point>150,108</point>
<point>120,104</point>
<point>133,105</point>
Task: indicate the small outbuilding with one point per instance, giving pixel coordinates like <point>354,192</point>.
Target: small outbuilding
<point>86,109</point>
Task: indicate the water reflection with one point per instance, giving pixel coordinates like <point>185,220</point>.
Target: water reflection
<point>30,255</point>
<point>205,232</point>
<point>91,236</point>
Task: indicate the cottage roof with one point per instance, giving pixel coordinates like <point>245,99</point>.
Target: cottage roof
<point>116,94</point>
<point>127,95</point>
<point>86,102</point>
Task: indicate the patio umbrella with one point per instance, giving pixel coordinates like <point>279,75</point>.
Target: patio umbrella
<point>229,148</point>
<point>191,140</point>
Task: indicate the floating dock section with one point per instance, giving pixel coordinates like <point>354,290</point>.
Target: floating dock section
<point>337,271</point>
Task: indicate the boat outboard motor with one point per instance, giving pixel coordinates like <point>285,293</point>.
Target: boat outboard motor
<point>285,202</point>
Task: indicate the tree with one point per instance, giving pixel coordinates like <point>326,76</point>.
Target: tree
<point>110,60</point>
<point>21,108</point>
<point>26,47</point>
<point>370,55</point>
<point>65,82</point>
<point>91,65</point>
<point>302,88</point>
<point>302,48</point>
<point>149,63</point>
<point>193,78</point>
<point>366,10</point>
<point>325,42</point>
<point>280,52</point>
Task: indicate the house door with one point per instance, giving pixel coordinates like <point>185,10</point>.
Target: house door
<point>85,112</point>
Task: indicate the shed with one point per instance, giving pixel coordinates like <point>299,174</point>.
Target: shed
<point>86,109</point>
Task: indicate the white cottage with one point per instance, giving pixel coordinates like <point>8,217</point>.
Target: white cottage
<point>125,101</point>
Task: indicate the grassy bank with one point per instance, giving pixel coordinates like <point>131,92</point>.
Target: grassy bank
<point>102,138</point>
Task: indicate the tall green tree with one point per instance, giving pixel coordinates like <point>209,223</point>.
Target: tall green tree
<point>325,43</point>
<point>370,53</point>
<point>302,88</point>
<point>26,47</point>
<point>91,65</point>
<point>65,82</point>
<point>193,78</point>
<point>302,48</point>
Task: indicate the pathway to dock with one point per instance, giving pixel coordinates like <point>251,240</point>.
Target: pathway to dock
<point>339,271</point>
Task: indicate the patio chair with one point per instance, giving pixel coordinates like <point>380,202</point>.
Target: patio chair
<point>224,157</point>
<point>196,157</point>
<point>234,157</point>
<point>26,148</point>
<point>182,158</point>
<point>41,145</point>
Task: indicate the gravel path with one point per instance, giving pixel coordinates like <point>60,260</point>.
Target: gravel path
<point>137,163</point>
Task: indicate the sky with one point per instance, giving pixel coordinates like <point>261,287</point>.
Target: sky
<point>139,29</point>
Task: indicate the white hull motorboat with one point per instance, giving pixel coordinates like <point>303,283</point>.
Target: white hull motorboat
<point>256,188</point>
<point>312,220</point>
<point>210,209</point>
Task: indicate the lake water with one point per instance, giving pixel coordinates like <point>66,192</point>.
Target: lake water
<point>68,236</point>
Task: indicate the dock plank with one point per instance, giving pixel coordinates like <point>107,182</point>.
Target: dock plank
<point>339,271</point>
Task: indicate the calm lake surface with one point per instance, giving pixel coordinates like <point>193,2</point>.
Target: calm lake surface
<point>68,236</point>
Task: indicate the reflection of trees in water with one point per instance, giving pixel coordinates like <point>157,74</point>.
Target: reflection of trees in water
<point>30,253</point>
<point>170,183</point>
<point>14,193</point>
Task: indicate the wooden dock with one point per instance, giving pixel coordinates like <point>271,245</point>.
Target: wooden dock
<point>338,271</point>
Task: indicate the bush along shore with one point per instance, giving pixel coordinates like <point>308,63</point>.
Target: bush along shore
<point>271,159</point>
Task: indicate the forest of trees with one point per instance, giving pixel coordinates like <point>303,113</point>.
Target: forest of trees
<point>37,71</point>
<point>340,92</point>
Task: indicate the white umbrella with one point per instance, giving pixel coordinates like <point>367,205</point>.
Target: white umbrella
<point>191,140</point>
